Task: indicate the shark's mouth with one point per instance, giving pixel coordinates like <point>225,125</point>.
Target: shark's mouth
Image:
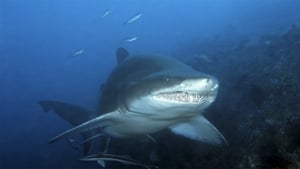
<point>182,97</point>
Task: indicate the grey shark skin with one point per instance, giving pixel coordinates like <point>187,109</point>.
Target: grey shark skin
<point>145,94</point>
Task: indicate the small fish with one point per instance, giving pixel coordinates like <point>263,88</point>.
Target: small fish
<point>106,13</point>
<point>78,52</point>
<point>102,157</point>
<point>134,18</point>
<point>132,39</point>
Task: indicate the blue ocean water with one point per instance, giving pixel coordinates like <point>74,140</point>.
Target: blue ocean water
<point>39,39</point>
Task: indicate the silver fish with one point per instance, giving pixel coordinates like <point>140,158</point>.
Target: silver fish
<point>134,18</point>
<point>132,39</point>
<point>106,13</point>
<point>78,52</point>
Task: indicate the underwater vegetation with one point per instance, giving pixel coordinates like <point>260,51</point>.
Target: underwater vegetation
<point>259,78</point>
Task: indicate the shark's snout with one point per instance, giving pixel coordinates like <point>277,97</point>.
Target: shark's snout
<point>212,85</point>
<point>201,85</point>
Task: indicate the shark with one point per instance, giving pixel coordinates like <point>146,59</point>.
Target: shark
<point>145,94</point>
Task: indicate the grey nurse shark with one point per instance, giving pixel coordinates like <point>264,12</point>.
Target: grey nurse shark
<point>143,95</point>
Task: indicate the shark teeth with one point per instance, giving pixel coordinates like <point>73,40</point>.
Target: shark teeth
<point>181,97</point>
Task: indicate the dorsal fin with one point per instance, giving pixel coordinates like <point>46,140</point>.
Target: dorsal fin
<point>121,54</point>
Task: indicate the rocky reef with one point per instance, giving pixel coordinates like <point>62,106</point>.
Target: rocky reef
<point>258,107</point>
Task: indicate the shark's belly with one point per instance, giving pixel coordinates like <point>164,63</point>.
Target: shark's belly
<point>128,125</point>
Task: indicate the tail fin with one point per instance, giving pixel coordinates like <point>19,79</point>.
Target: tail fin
<point>73,114</point>
<point>46,105</point>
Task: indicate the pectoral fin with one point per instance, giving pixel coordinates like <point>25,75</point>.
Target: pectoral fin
<point>199,128</point>
<point>95,123</point>
<point>71,113</point>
